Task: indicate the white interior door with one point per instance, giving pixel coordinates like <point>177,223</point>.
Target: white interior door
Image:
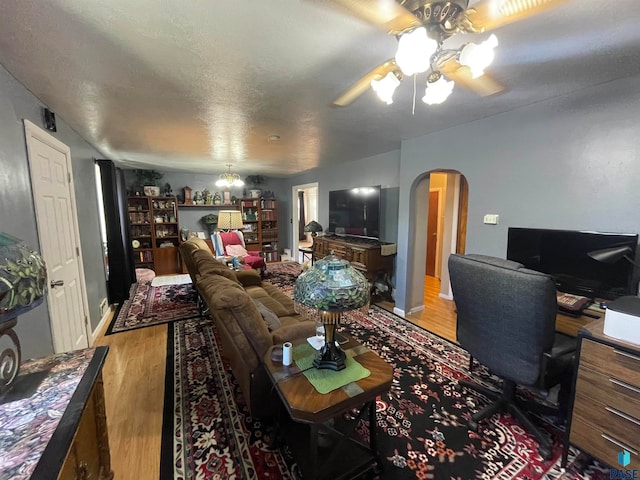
<point>51,181</point>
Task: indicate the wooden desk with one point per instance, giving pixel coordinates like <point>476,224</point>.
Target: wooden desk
<point>310,411</point>
<point>570,325</point>
<point>604,416</point>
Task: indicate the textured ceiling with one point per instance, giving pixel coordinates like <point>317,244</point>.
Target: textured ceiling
<point>192,86</point>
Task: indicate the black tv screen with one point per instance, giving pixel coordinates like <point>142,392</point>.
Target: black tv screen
<point>355,211</point>
<point>563,254</point>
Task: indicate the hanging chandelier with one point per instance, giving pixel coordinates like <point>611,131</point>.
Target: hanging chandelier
<point>229,179</point>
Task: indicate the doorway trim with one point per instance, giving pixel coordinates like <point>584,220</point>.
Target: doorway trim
<point>439,220</point>
<point>32,131</point>
<point>295,211</point>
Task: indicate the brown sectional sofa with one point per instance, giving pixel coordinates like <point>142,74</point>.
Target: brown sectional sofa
<point>235,301</point>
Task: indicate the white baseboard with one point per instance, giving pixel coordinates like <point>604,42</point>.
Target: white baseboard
<point>446,296</point>
<point>402,313</point>
<point>101,325</point>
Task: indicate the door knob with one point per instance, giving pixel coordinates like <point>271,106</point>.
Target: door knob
<point>56,283</point>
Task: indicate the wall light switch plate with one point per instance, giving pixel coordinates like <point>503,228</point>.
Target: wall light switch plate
<point>491,219</point>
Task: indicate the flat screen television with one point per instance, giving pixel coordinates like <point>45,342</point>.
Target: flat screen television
<point>563,254</point>
<point>355,211</point>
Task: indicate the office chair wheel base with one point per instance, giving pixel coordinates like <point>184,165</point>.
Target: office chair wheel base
<point>545,452</point>
<point>472,425</point>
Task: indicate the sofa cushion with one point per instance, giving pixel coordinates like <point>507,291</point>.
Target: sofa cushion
<point>281,309</point>
<point>270,318</point>
<point>206,264</point>
<point>292,332</point>
<point>226,297</point>
<point>186,252</point>
<point>249,277</point>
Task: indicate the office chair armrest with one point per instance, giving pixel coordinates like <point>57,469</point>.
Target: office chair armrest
<point>562,345</point>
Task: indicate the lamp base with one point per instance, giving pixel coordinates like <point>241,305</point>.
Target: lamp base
<point>330,357</point>
<point>9,357</point>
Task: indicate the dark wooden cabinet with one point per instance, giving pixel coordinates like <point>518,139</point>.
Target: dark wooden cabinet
<point>374,259</point>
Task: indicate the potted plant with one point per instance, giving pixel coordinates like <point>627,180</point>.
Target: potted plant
<point>255,181</point>
<point>209,221</point>
<point>148,180</point>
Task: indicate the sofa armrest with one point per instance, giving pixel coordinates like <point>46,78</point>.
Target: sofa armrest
<point>248,278</point>
<point>293,332</point>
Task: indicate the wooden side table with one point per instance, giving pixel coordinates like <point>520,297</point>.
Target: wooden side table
<point>311,412</point>
<point>307,254</point>
<point>604,418</point>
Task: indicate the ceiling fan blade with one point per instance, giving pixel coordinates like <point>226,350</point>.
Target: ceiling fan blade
<point>484,85</point>
<point>386,14</point>
<point>491,14</point>
<point>364,83</point>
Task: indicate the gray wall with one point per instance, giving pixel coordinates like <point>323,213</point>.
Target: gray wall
<point>572,162</point>
<point>376,170</point>
<point>18,213</point>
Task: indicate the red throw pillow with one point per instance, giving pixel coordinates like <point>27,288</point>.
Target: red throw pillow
<point>230,238</point>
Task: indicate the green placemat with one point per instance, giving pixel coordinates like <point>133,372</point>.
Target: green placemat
<point>324,380</point>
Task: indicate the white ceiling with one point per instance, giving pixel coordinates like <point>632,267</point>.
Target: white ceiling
<point>194,85</point>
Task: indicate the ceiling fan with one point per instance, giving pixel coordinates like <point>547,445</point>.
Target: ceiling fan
<point>421,26</point>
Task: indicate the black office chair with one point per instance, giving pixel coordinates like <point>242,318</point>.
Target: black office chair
<point>506,318</point>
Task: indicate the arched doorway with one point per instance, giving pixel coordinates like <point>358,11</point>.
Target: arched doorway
<point>450,190</point>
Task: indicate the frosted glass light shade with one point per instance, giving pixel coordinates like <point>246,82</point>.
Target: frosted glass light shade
<point>414,51</point>
<point>478,57</point>
<point>385,87</point>
<point>438,91</point>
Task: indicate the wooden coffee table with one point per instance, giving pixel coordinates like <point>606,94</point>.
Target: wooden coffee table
<point>341,453</point>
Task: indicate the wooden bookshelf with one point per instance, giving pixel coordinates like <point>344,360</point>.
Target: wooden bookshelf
<point>260,218</point>
<point>155,233</point>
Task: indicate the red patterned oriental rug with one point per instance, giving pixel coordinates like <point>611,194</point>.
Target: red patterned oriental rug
<point>422,434</point>
<point>148,305</point>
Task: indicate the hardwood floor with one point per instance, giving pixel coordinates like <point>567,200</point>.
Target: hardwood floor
<point>438,315</point>
<point>134,375</point>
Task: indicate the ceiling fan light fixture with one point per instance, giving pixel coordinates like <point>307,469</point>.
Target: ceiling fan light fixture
<point>478,57</point>
<point>438,89</point>
<point>385,87</point>
<point>229,179</point>
<point>415,49</point>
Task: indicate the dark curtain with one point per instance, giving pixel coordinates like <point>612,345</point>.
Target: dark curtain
<point>301,216</point>
<point>121,271</point>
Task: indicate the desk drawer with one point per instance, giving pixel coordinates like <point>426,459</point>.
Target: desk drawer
<point>611,361</point>
<point>609,420</point>
<point>602,445</point>
<point>608,390</point>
